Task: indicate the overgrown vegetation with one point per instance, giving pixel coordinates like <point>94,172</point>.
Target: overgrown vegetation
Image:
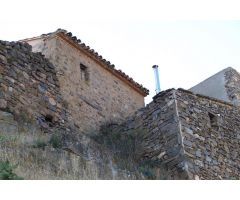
<point>125,146</point>
<point>6,171</point>
<point>148,172</point>
<point>7,138</point>
<point>121,144</point>
<point>40,144</point>
<point>153,169</point>
<point>24,117</point>
<point>56,141</point>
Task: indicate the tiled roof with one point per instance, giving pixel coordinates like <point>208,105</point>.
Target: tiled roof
<point>92,52</point>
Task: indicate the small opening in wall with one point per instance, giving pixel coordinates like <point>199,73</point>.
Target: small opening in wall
<point>49,120</point>
<point>213,120</point>
<point>84,72</point>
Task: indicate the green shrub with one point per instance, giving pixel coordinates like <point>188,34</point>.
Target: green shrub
<point>40,144</point>
<point>6,171</point>
<point>56,141</point>
<point>148,172</point>
<point>7,138</point>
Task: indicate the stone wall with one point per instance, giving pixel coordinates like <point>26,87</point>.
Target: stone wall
<point>233,85</point>
<point>102,98</point>
<point>191,136</point>
<point>159,142</point>
<point>211,136</point>
<point>29,86</point>
<point>187,135</point>
<point>163,143</point>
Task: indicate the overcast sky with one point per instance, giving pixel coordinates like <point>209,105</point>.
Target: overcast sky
<point>189,41</point>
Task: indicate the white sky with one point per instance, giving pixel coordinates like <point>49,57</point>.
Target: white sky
<point>189,40</point>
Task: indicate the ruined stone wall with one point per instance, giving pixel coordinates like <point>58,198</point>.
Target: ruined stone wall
<point>225,85</point>
<point>163,142</point>
<point>101,99</point>
<point>211,136</point>
<point>29,86</point>
<point>192,136</point>
<point>232,85</point>
<point>159,142</point>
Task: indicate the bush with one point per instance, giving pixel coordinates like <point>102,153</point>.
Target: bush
<point>40,144</point>
<point>56,141</point>
<point>148,172</point>
<point>6,171</point>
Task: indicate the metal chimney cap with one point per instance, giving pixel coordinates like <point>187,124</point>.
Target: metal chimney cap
<point>155,66</point>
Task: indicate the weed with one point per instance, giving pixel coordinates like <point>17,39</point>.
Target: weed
<point>40,144</point>
<point>7,138</point>
<point>56,141</point>
<point>6,171</point>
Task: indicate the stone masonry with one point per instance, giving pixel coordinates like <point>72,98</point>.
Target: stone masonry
<point>193,136</point>
<point>210,130</point>
<point>108,95</point>
<point>28,85</point>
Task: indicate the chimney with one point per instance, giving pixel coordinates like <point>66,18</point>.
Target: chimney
<point>157,81</point>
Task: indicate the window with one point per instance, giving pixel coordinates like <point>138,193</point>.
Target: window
<point>84,72</point>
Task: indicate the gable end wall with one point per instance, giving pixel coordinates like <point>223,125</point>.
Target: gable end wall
<point>104,98</point>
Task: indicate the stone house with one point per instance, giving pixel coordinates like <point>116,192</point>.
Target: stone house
<point>95,91</point>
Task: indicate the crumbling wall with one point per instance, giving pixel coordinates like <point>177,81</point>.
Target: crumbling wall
<point>225,86</point>
<point>191,136</point>
<point>163,143</point>
<point>159,141</point>
<point>29,86</point>
<point>33,113</point>
<point>232,85</point>
<point>211,136</point>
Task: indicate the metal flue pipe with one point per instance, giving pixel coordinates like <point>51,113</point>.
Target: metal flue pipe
<point>157,80</point>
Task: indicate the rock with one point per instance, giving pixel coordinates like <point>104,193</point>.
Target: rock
<point>196,136</point>
<point>208,159</point>
<point>161,155</point>
<point>4,87</point>
<point>187,143</point>
<point>41,89</point>
<point>170,103</point>
<point>196,177</point>
<point>3,104</point>
<point>3,58</point>
<point>198,153</point>
<point>26,76</point>
<point>199,163</point>
<point>188,131</point>
<point>10,79</point>
<point>52,101</point>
